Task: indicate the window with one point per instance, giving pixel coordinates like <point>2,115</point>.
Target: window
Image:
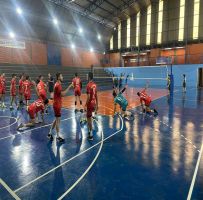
<point>138,29</point>
<point>148,33</point>
<point>111,43</point>
<point>181,20</point>
<point>119,36</point>
<point>160,21</point>
<point>128,32</point>
<point>196,19</point>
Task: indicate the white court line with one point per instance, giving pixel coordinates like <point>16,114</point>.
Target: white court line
<point>9,124</point>
<point>29,130</point>
<point>72,158</point>
<point>88,169</point>
<point>11,192</point>
<point>195,174</point>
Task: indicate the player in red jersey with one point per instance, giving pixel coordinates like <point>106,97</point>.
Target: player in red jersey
<point>33,109</point>
<point>91,103</point>
<point>27,84</point>
<point>20,90</point>
<point>2,90</point>
<point>13,91</point>
<point>145,101</point>
<point>42,88</point>
<point>77,85</point>
<point>57,105</point>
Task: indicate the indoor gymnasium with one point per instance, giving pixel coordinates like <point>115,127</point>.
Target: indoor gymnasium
<point>101,99</point>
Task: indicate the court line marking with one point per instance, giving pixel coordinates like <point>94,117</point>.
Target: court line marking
<point>9,124</point>
<point>10,191</point>
<point>30,130</point>
<point>195,174</point>
<point>72,158</point>
<point>88,169</point>
<point>133,108</point>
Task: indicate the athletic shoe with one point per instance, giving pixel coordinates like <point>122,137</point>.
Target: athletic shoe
<point>81,110</point>
<point>50,137</point>
<point>60,139</point>
<point>155,112</point>
<point>46,112</point>
<point>3,106</point>
<point>11,107</point>
<point>20,126</point>
<point>90,137</point>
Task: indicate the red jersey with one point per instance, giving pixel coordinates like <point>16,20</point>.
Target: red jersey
<point>41,87</point>
<point>36,107</point>
<point>2,82</point>
<point>92,91</point>
<point>57,94</point>
<point>20,86</point>
<point>13,86</point>
<point>76,83</point>
<point>144,97</point>
<point>27,87</point>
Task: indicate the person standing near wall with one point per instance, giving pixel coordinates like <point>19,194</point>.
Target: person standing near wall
<point>184,83</point>
<point>13,91</point>
<point>2,90</point>
<point>20,90</point>
<point>51,85</point>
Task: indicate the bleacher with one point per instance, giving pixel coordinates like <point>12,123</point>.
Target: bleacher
<point>68,73</point>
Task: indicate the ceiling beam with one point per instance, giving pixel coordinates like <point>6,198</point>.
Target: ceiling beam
<point>75,8</point>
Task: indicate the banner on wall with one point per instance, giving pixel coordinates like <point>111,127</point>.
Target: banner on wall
<point>12,44</point>
<point>162,60</point>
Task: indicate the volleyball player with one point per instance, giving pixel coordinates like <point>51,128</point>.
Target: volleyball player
<point>120,100</point>
<point>57,105</point>
<point>13,91</point>
<point>91,103</point>
<point>51,85</point>
<point>20,90</point>
<point>184,83</point>
<point>33,109</point>
<point>77,85</point>
<point>2,90</point>
<point>27,84</point>
<point>145,101</point>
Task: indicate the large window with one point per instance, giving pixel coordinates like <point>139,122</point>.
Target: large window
<point>128,32</point>
<point>138,29</point>
<point>119,36</point>
<point>160,22</point>
<point>196,19</point>
<point>148,33</point>
<point>181,20</point>
<point>111,43</point>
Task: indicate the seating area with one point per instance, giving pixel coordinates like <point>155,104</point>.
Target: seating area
<point>68,73</point>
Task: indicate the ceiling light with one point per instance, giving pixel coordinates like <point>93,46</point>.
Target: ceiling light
<point>12,35</point>
<point>19,11</point>
<point>55,21</point>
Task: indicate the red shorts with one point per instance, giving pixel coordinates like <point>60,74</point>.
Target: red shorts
<point>2,90</point>
<point>20,91</point>
<point>31,113</point>
<point>147,103</point>
<point>27,96</point>
<point>43,95</point>
<point>90,109</point>
<point>57,110</point>
<point>77,92</point>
